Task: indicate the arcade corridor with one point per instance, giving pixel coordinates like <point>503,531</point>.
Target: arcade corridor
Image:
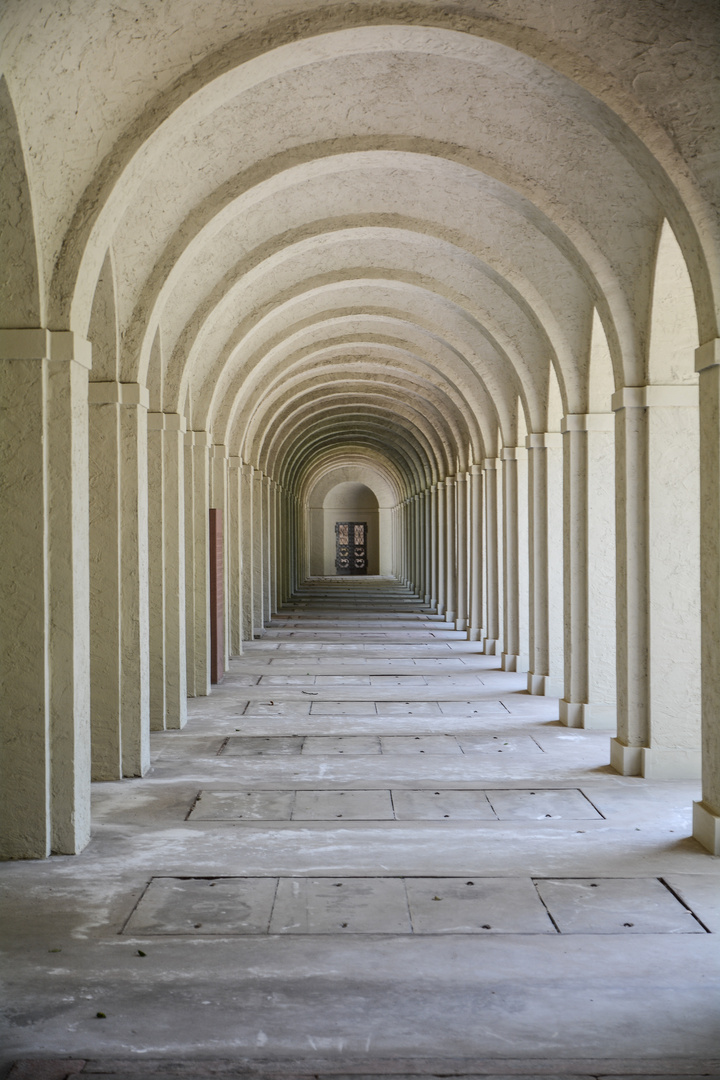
<point>370,851</point>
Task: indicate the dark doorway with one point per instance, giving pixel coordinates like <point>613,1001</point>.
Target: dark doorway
<point>351,547</point>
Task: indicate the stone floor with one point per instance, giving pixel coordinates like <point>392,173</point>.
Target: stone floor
<point>369,853</point>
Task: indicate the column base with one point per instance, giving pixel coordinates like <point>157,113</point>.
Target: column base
<point>626,760</point>
<point>706,827</point>
<point>655,763</point>
<point>461,624</point>
<point>578,714</point>
<point>474,633</point>
<point>511,662</point>
<point>433,602</point>
<point>427,601</point>
<point>490,646</point>
<point>544,685</point>
<point>450,616</point>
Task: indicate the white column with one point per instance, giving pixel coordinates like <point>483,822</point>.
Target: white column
<point>267,541</point>
<point>258,522</point>
<point>450,549</point>
<point>475,628</point>
<point>706,812</point>
<point>493,563</point>
<point>197,561</point>
<point>248,553</point>
<point>45,680</point>
<point>461,620</point>
<point>234,549</point>
<point>128,478</point>
<point>515,655</point>
<point>166,573</point>
<point>589,570</point>
<point>442,547</point>
<point>545,563</point>
<point>658,643</point>
<point>434,574</point>
<point>219,501</point>
<point>427,545</point>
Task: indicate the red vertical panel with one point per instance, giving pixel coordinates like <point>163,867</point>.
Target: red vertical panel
<point>217,598</point>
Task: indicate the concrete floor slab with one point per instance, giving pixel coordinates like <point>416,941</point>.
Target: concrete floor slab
<point>332,906</point>
<point>419,744</point>
<point>616,906</point>
<point>341,744</point>
<point>338,1001</point>
<point>198,906</point>
<point>260,746</point>
<point>353,805</point>
<point>442,805</point>
<point>542,803</point>
<point>245,805</point>
<point>488,905</point>
<point>498,744</point>
<point>701,893</point>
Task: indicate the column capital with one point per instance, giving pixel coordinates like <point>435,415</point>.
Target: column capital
<point>40,344</point>
<point>462,477</point>
<point>234,462</point>
<point>543,440</point>
<point>680,395</point>
<point>218,451</point>
<point>449,481</point>
<point>587,422</point>
<point>121,393</point>
<point>708,355</point>
<point>476,470</point>
<point>509,453</point>
<point>198,438</point>
<point>163,421</point>
<point>489,463</point>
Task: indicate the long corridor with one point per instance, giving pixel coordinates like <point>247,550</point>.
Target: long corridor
<point>371,852</point>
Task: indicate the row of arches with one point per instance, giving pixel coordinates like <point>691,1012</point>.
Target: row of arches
<point>459,261</point>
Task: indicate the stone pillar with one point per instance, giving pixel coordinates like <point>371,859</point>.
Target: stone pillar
<point>427,534</point>
<point>197,561</point>
<point>461,621</point>
<point>491,640</point>
<point>45,681</point>
<point>219,501</point>
<point>123,463</point>
<point>515,562</point>
<point>258,521</point>
<point>658,586</point>
<point>450,549</point>
<point>434,575</point>
<point>442,547</point>
<point>476,520</point>
<point>419,560</point>
<point>166,571</point>
<point>105,584</point>
<point>267,542</point>
<point>589,570</point>
<point>545,563</point>
<point>706,813</point>
<point>234,550</point>
<point>248,532</point>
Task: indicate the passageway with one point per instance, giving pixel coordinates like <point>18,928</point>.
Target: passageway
<point>371,849</point>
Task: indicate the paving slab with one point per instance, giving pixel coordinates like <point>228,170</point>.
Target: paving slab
<point>260,746</point>
<point>542,803</point>
<point>199,906</point>
<point>351,805</point>
<point>494,905</point>
<point>243,805</point>
<point>616,906</point>
<point>442,805</point>
<point>342,905</point>
<point>341,744</point>
<point>420,744</point>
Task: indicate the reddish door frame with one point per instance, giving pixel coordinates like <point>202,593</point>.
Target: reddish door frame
<point>217,598</point>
